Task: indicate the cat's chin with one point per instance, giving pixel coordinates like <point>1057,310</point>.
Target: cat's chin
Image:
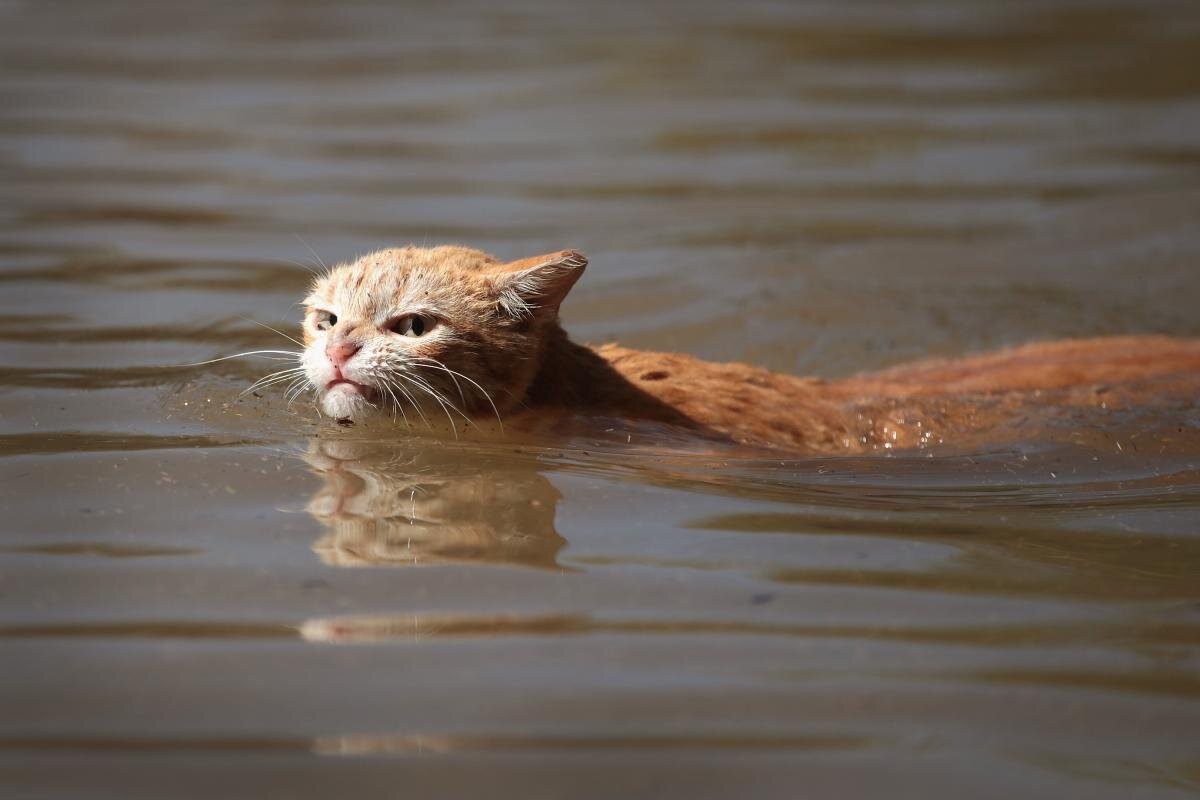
<point>345,402</point>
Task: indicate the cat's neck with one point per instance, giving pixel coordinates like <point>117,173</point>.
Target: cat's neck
<point>572,376</point>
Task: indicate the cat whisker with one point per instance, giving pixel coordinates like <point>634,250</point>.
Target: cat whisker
<point>295,380</point>
<point>429,390</point>
<point>288,395</point>
<point>441,398</point>
<point>469,380</point>
<point>268,327</point>
<point>296,388</point>
<point>413,402</point>
<point>311,250</point>
<point>289,372</point>
<point>274,377</point>
<point>294,356</point>
<point>386,394</point>
<point>448,371</point>
<point>316,273</point>
<point>396,405</point>
<point>436,399</point>
<point>266,383</point>
<point>386,397</point>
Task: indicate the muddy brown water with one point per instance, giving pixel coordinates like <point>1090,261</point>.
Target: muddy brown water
<point>209,594</point>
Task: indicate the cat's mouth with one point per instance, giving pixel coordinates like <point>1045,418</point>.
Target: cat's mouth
<point>346,400</point>
<point>369,393</point>
<point>339,381</point>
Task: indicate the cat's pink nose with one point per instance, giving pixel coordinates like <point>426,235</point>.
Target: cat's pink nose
<point>340,352</point>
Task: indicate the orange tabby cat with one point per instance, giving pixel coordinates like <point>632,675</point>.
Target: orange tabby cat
<point>452,331</point>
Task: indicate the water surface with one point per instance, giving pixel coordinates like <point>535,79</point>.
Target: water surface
<point>205,593</point>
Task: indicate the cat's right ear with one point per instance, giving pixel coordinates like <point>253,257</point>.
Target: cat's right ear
<point>535,287</point>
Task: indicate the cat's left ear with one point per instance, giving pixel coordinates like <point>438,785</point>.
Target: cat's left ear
<point>534,287</point>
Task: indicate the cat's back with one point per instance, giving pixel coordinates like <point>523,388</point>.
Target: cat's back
<point>746,403</point>
<point>1165,363</point>
<point>896,407</point>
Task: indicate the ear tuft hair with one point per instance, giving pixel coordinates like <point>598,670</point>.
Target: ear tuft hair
<point>535,287</point>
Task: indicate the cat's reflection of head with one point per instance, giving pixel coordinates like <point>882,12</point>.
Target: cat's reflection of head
<point>397,504</point>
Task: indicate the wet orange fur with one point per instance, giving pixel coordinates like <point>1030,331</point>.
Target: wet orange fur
<point>501,329</point>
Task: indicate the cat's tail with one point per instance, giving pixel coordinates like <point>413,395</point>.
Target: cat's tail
<point>1161,363</point>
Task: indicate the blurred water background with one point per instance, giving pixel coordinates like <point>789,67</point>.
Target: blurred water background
<point>208,594</point>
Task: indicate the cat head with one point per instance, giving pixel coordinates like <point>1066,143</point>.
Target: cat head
<point>446,329</point>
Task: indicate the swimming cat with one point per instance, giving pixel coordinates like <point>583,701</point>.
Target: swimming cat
<point>450,331</point>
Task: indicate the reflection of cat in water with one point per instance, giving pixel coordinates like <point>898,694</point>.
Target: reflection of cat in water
<point>419,333</point>
<point>392,505</point>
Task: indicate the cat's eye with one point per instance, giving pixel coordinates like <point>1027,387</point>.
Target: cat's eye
<point>325,320</point>
<point>412,325</point>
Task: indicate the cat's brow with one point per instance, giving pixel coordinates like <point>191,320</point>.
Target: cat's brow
<point>400,311</point>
